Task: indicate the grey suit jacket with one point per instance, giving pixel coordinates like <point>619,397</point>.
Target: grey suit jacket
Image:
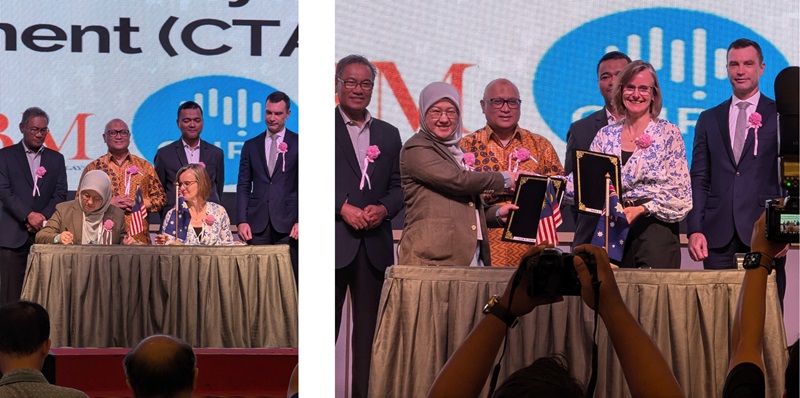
<point>69,217</point>
<point>441,197</point>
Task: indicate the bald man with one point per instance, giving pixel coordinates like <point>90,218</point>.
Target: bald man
<point>128,172</point>
<point>492,146</point>
<point>161,365</point>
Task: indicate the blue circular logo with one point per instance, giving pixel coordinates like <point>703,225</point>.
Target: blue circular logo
<point>687,48</point>
<point>233,112</point>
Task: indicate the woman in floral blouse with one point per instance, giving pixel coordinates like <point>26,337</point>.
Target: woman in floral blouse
<point>199,222</point>
<point>656,189</point>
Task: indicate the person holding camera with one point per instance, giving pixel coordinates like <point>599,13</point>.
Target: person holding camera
<point>646,371</point>
<point>746,366</point>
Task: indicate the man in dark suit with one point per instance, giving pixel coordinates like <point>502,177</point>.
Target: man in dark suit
<point>732,177</point>
<point>266,192</point>
<point>33,179</point>
<point>364,244</point>
<point>189,149</point>
<point>581,134</point>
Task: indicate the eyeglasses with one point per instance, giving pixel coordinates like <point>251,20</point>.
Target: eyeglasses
<point>86,196</point>
<point>366,85</point>
<point>118,133</point>
<point>37,131</point>
<point>186,184</point>
<point>498,103</point>
<point>436,114</point>
<point>645,90</point>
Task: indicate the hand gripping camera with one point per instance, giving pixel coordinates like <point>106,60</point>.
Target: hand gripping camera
<point>552,273</point>
<point>783,215</point>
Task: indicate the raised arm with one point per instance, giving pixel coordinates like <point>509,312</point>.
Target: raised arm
<point>646,371</point>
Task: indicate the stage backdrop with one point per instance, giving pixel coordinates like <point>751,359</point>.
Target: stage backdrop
<point>550,50</point>
<point>88,62</point>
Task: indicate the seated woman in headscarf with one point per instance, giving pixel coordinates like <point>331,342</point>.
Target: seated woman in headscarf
<point>446,220</point>
<point>198,222</point>
<point>89,219</point>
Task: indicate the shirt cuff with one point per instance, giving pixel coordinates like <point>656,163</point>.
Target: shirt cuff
<point>506,180</point>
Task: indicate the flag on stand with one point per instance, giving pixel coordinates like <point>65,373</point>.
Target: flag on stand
<point>138,213</point>
<point>183,219</point>
<point>550,217</point>
<point>617,228</point>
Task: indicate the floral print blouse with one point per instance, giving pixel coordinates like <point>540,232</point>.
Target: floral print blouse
<point>216,228</point>
<point>659,172</point>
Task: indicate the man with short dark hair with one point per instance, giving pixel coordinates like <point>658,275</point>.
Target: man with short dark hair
<point>364,244</point>
<point>127,173</point>
<point>24,344</point>
<point>189,149</point>
<point>33,180</point>
<point>266,192</point>
<point>161,366</point>
<point>732,174</point>
<point>582,133</point>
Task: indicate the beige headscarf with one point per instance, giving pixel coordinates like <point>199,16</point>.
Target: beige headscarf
<point>432,94</point>
<point>97,181</point>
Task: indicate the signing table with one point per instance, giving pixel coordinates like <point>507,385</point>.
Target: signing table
<point>113,296</point>
<point>426,312</point>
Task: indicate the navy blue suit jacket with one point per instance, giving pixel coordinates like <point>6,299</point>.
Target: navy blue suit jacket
<point>170,158</point>
<point>16,192</point>
<point>260,198</point>
<point>384,175</point>
<point>580,137</point>
<point>729,196</point>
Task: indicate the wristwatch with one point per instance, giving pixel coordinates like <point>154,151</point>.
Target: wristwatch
<point>758,259</point>
<point>493,307</point>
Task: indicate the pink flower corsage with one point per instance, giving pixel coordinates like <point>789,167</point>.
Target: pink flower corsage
<point>105,237</point>
<point>202,164</point>
<point>282,149</point>
<point>469,161</point>
<point>129,172</point>
<point>372,153</point>
<point>108,225</point>
<point>754,121</point>
<point>644,141</point>
<point>209,220</point>
<point>39,174</point>
<point>518,156</point>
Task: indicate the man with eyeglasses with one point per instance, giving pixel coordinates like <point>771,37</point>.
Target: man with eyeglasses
<point>364,208</point>
<point>732,174</point>
<point>33,180</point>
<point>128,172</point>
<point>582,132</point>
<point>495,147</point>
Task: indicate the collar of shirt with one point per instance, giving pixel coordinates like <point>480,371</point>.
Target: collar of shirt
<point>610,117</point>
<point>191,148</point>
<point>753,100</point>
<point>493,136</point>
<point>280,134</point>
<point>351,122</point>
<point>119,162</point>
<point>28,150</point>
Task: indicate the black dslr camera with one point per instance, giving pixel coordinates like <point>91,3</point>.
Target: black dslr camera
<point>552,273</point>
<point>783,215</point>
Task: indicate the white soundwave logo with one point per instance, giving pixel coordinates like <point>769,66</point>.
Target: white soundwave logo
<point>212,108</point>
<point>677,57</point>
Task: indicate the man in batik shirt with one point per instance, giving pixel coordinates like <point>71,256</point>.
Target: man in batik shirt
<point>128,172</point>
<point>502,145</point>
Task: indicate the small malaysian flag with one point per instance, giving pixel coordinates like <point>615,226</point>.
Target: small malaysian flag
<point>138,213</point>
<point>550,217</point>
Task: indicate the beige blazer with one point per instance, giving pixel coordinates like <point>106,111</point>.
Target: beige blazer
<point>69,217</point>
<point>441,196</point>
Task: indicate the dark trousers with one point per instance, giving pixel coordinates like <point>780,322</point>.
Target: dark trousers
<point>652,243</point>
<point>725,258</point>
<point>12,271</point>
<point>272,237</point>
<point>365,283</point>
